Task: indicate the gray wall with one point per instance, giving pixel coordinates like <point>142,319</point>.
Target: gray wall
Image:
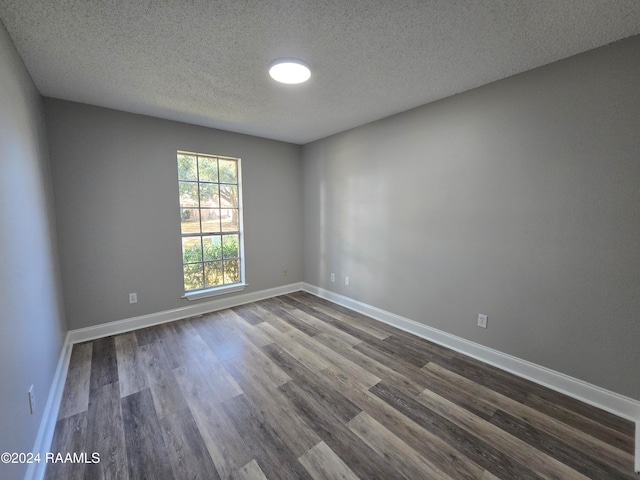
<point>31,319</point>
<point>116,191</point>
<point>519,200</point>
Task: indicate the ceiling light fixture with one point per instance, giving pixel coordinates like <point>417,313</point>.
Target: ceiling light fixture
<point>289,71</point>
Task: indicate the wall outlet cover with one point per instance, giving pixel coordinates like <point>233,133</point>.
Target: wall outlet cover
<point>32,399</point>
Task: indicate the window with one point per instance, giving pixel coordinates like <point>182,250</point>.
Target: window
<point>211,223</point>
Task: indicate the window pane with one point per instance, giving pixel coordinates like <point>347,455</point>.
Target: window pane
<point>212,247</point>
<point>193,276</point>
<point>210,220</point>
<point>191,249</point>
<point>229,196</point>
<point>229,220</point>
<point>231,271</point>
<point>187,167</point>
<point>209,196</point>
<point>228,172</point>
<point>230,246</point>
<point>208,169</point>
<point>188,194</point>
<point>213,274</point>
<point>190,220</point>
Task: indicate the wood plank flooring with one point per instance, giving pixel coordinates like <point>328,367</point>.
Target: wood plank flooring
<point>296,387</point>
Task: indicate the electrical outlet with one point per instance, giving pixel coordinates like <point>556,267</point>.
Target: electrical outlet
<point>32,399</point>
<point>284,272</point>
<point>482,321</point>
<point>333,277</point>
<point>346,280</point>
<point>133,298</point>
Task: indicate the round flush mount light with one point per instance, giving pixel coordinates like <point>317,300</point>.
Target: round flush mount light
<point>289,71</point>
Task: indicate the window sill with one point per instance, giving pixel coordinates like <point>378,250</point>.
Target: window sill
<point>213,292</point>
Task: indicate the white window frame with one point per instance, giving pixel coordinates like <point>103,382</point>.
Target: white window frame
<point>221,289</point>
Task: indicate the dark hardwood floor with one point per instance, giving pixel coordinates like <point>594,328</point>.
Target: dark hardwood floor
<point>296,387</point>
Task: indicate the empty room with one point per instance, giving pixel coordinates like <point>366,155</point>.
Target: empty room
<point>319,239</point>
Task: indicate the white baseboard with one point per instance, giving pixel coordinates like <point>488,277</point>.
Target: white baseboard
<point>135,323</point>
<point>612,402</point>
<point>36,471</point>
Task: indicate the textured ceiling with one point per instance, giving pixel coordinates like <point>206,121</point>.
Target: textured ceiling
<point>205,62</point>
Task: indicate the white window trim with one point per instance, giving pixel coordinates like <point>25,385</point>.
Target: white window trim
<point>235,287</point>
<point>214,291</point>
